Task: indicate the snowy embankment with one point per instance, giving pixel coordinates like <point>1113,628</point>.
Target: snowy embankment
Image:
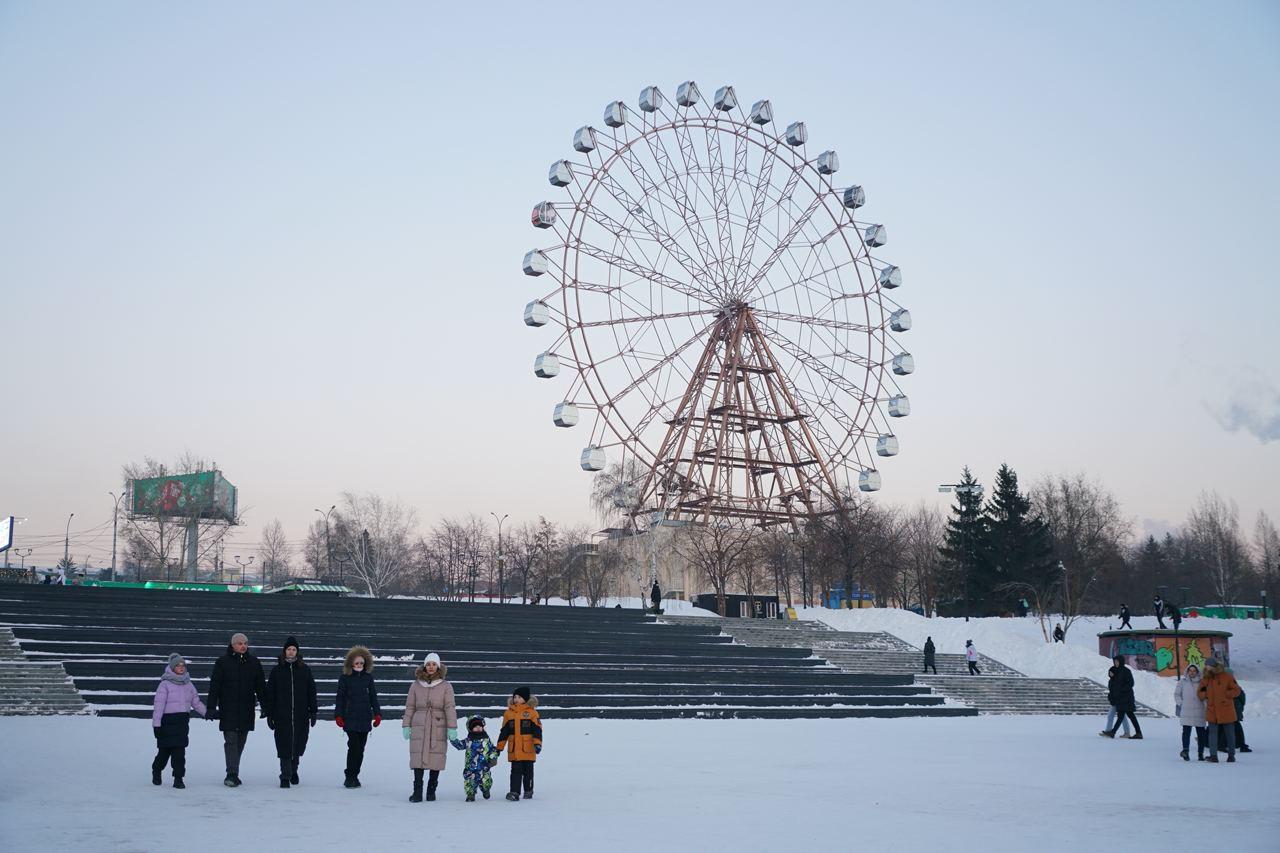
<point>1255,652</point>
<point>915,784</point>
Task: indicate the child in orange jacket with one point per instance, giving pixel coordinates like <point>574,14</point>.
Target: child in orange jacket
<point>521,735</point>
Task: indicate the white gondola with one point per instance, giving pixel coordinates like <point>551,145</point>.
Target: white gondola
<point>876,235</point>
<point>890,277</point>
<point>544,215</point>
<point>687,94</point>
<point>762,112</point>
<point>900,320</point>
<point>903,364</point>
<point>650,99</point>
<point>565,415</point>
<point>592,458</point>
<point>828,163</point>
<point>546,365</point>
<point>797,134</point>
<point>535,263</point>
<point>854,197</point>
<point>899,406</point>
<point>584,139</point>
<point>726,99</point>
<point>887,445</point>
<point>560,174</point>
<point>869,481</point>
<point>537,313</point>
<point>615,115</point>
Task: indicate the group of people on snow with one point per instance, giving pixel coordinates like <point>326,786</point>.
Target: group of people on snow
<point>1211,705</point>
<point>970,656</point>
<point>238,686</point>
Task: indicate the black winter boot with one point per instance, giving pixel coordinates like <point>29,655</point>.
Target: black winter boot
<point>1185,755</point>
<point>432,781</point>
<point>155,777</point>
<point>513,796</point>
<point>416,796</point>
<point>293,777</point>
<point>284,773</point>
<point>349,782</point>
<point>177,782</point>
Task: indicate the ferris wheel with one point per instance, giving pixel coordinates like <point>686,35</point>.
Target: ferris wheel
<point>725,331</point>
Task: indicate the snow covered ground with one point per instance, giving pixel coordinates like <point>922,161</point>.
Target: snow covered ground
<point>976,783</point>
<point>1255,652</point>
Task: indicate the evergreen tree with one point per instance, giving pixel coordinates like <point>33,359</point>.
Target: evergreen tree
<point>1019,544</point>
<point>964,549</point>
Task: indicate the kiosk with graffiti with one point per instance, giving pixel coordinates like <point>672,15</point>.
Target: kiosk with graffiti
<point>1165,652</point>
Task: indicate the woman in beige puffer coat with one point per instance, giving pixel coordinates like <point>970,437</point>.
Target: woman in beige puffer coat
<point>430,722</point>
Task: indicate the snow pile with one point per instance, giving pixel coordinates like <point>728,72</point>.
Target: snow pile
<point>912,784</point>
<point>1019,643</point>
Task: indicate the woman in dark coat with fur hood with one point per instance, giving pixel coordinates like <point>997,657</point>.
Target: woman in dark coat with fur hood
<point>356,709</point>
<point>290,708</point>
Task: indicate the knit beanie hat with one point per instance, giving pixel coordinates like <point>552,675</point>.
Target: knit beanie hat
<point>475,721</point>
<point>175,659</point>
<point>291,641</point>
<point>431,658</point>
<point>238,638</point>
<point>522,692</point>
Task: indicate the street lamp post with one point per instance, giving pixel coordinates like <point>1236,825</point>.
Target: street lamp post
<point>501,575</point>
<point>1266,616</point>
<point>66,542</point>
<point>115,517</point>
<point>328,546</point>
<point>22,563</point>
<point>243,566</point>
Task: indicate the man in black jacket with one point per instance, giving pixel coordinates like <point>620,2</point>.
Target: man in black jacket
<point>1124,617</point>
<point>290,709</point>
<point>236,685</point>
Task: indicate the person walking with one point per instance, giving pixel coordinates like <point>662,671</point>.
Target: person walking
<point>1158,606</point>
<point>1241,746</point>
<point>655,596</point>
<point>356,709</point>
<point>290,709</point>
<point>236,685</point>
<point>1059,636</point>
<point>430,722</point>
<point>971,656</point>
<point>1120,694</point>
<point>1124,617</point>
<point>481,756</point>
<point>1189,707</point>
<point>929,655</point>
<point>1218,689</point>
<point>171,710</point>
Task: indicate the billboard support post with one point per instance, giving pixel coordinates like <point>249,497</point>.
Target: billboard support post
<point>193,547</point>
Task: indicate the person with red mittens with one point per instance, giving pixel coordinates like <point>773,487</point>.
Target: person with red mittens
<point>356,710</point>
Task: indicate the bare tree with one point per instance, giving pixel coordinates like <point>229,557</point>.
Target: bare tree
<point>1266,543</point>
<point>1213,536</point>
<point>716,551</point>
<point>1089,536</point>
<point>855,540</point>
<point>375,537</point>
<point>924,528</point>
<point>274,552</point>
<point>615,490</point>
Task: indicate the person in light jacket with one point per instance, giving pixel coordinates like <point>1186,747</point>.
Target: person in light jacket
<point>971,657</point>
<point>175,698</point>
<point>430,722</point>
<point>1190,709</point>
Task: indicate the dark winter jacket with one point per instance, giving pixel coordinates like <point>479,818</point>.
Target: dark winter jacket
<point>929,650</point>
<point>1239,700</point>
<point>1124,614</point>
<point>236,685</point>
<point>291,692</point>
<point>357,699</point>
<point>1120,689</point>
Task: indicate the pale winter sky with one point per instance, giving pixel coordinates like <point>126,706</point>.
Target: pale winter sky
<point>287,236</point>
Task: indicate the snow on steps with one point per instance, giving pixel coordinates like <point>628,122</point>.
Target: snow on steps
<point>33,688</point>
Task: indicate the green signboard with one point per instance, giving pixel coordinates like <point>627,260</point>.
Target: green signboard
<point>205,494</point>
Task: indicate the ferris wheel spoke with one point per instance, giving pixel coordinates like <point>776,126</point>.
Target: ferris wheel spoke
<point>759,196</point>
<point>641,271</point>
<point>720,199</point>
<point>825,371</point>
<point>680,195</point>
<point>810,320</point>
<point>689,156</point>
<point>648,318</point>
<point>660,364</point>
<point>804,281</point>
<point>785,243</point>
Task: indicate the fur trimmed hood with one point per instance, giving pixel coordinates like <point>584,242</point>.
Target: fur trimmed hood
<point>532,703</point>
<point>442,672</point>
<point>357,652</point>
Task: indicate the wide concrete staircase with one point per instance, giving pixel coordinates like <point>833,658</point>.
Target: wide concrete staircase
<point>33,688</point>
<point>582,662</point>
<point>999,690</point>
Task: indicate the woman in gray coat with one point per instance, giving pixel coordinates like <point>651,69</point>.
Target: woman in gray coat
<point>430,722</point>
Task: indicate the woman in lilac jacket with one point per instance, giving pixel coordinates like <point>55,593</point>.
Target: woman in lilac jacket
<point>170,716</point>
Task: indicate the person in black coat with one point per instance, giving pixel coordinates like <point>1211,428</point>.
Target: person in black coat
<point>290,708</point>
<point>929,651</point>
<point>1124,617</point>
<point>237,683</point>
<point>1120,695</point>
<point>1059,636</point>
<point>1157,605</point>
<point>655,595</point>
<point>356,709</point>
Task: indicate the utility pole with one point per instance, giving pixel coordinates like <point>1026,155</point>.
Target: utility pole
<point>115,517</point>
<point>501,577</point>
<point>328,546</point>
<point>66,542</point>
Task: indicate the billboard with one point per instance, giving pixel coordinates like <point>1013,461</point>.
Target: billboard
<point>6,533</point>
<point>205,494</point>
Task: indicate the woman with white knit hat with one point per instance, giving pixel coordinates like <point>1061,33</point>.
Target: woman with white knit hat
<point>430,722</point>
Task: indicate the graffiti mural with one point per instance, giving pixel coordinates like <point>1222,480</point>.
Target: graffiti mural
<point>1161,652</point>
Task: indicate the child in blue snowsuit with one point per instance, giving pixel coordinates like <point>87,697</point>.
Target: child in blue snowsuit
<point>482,755</point>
